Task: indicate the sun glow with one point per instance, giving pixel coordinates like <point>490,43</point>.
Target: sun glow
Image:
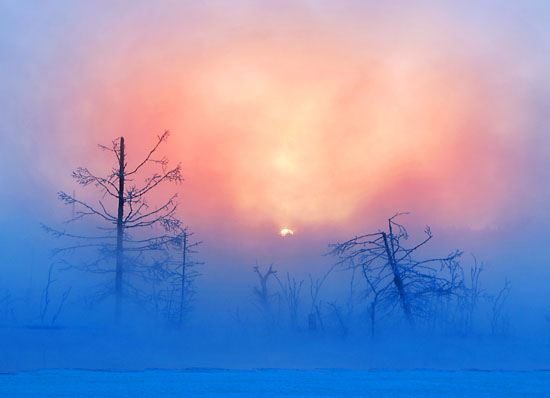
<point>311,129</point>
<point>286,231</point>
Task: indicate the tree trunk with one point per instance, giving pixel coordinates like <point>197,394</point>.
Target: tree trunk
<point>183,265</point>
<point>120,229</point>
<point>398,282</point>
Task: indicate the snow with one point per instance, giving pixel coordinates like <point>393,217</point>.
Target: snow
<point>274,383</point>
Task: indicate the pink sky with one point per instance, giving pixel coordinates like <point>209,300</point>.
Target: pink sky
<point>292,114</point>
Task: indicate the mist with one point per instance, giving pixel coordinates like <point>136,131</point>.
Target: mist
<point>325,119</point>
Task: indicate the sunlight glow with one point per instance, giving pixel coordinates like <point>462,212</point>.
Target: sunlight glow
<point>286,231</point>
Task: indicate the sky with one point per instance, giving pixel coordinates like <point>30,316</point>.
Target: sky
<point>292,114</point>
<point>322,117</point>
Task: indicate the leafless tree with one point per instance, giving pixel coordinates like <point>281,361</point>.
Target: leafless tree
<point>291,289</point>
<point>393,272</point>
<point>131,229</point>
<point>262,292</point>
<point>186,272</point>
<point>499,320</point>
<point>176,272</point>
<point>468,301</point>
<point>314,315</point>
<point>46,299</point>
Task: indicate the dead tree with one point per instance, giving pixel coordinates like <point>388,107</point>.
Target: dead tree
<point>469,299</point>
<point>187,274</point>
<point>314,315</point>
<point>131,228</point>
<point>178,270</point>
<point>393,272</point>
<point>291,293</point>
<point>499,321</point>
<point>46,300</point>
<point>262,292</point>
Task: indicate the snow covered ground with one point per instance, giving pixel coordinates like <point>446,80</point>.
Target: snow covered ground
<point>274,383</point>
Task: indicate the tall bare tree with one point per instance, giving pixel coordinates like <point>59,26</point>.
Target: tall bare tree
<point>130,226</point>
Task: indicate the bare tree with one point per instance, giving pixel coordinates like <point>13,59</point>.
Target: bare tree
<point>124,212</point>
<point>393,272</point>
<point>187,272</point>
<point>468,301</point>
<point>314,315</point>
<point>262,293</point>
<point>46,299</point>
<point>177,272</point>
<point>499,320</point>
<point>291,293</point>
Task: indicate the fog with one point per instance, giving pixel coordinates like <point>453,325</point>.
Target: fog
<point>325,119</point>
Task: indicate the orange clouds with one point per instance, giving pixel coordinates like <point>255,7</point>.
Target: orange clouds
<point>299,122</point>
<point>306,143</point>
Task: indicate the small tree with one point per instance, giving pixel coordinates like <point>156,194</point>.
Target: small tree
<point>499,320</point>
<point>469,300</point>
<point>262,292</point>
<point>132,230</point>
<point>291,289</point>
<point>315,311</point>
<point>46,299</point>
<point>393,272</point>
<point>177,271</point>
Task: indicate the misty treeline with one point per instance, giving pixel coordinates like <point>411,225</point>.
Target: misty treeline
<point>136,252</point>
<point>392,284</point>
<point>124,234</point>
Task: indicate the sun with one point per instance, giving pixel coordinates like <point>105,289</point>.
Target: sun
<point>286,232</point>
